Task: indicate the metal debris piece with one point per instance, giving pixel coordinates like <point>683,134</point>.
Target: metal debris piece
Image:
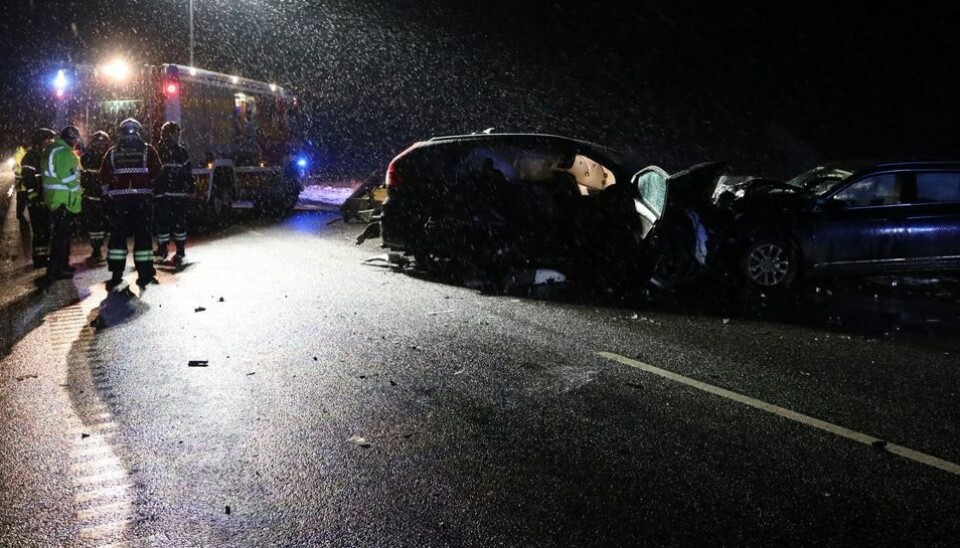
<point>199,309</point>
<point>227,510</point>
<point>358,441</point>
<point>221,299</point>
<point>198,363</point>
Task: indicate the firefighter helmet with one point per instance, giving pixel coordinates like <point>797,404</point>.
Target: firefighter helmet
<point>100,137</point>
<point>130,126</point>
<point>169,129</point>
<point>71,135</point>
<point>41,135</point>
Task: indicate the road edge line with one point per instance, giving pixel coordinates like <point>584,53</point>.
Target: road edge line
<point>841,431</point>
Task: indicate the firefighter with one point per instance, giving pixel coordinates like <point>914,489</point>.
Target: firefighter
<point>18,182</point>
<point>62,194</point>
<point>33,183</point>
<point>94,217</point>
<point>172,193</point>
<point>128,172</point>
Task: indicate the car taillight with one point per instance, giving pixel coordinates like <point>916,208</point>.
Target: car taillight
<point>394,178</point>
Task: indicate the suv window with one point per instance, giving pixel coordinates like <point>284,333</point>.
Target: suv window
<point>877,190</point>
<point>938,187</point>
<point>651,185</point>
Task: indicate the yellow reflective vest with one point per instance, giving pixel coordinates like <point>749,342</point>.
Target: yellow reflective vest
<point>61,177</point>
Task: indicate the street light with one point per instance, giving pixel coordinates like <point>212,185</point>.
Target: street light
<point>191,33</point>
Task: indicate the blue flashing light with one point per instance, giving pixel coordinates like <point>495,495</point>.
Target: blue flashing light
<point>301,162</point>
<point>60,82</point>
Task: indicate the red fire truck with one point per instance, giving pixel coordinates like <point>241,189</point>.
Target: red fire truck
<point>242,135</point>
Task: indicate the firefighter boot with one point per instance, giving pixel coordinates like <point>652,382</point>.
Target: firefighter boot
<point>181,253</point>
<point>97,254</point>
<point>160,254</point>
<point>115,280</point>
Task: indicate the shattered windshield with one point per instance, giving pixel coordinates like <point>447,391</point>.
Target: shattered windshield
<point>820,180</point>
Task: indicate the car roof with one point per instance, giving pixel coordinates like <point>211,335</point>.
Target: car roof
<point>516,137</point>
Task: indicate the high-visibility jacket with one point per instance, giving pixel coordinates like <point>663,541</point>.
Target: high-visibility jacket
<point>61,177</point>
<point>17,169</point>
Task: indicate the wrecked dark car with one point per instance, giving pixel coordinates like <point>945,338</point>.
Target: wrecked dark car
<point>496,203</point>
<point>843,218</point>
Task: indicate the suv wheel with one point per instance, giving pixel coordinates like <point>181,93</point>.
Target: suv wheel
<point>770,262</point>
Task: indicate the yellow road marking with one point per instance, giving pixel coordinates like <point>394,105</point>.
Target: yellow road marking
<point>866,439</point>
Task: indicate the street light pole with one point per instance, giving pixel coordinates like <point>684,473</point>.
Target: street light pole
<point>191,33</point>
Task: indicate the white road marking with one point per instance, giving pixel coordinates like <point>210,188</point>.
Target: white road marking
<point>110,509</point>
<point>107,462</point>
<point>111,475</point>
<point>107,529</point>
<point>104,493</point>
<point>866,439</point>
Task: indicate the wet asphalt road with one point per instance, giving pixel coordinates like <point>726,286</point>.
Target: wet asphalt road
<point>485,420</point>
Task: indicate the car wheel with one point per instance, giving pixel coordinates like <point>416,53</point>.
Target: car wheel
<point>675,264</point>
<point>221,206</point>
<point>770,263</point>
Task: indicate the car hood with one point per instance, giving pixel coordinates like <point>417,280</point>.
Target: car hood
<point>730,189</point>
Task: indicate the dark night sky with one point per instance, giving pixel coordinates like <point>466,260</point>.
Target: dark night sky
<point>769,88</point>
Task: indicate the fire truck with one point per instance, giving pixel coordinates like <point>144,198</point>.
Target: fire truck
<point>243,135</point>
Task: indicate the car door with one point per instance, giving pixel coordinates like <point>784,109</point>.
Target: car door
<point>931,224</point>
<point>858,226</point>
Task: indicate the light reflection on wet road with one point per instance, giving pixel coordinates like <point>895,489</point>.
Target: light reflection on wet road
<point>487,420</point>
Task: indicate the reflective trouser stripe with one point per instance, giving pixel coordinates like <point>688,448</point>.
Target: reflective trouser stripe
<point>41,251</point>
<point>181,237</point>
<point>96,235</point>
<point>142,256</point>
<point>163,237</point>
<point>119,254</point>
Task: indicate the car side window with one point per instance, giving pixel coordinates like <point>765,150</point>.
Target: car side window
<point>877,190</point>
<point>651,184</point>
<point>938,187</point>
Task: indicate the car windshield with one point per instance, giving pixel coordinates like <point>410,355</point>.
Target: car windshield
<point>822,179</point>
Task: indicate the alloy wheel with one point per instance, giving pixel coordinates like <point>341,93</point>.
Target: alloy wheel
<point>768,264</point>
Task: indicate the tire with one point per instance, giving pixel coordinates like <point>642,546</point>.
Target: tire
<point>221,206</point>
<point>770,263</point>
<point>674,264</point>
